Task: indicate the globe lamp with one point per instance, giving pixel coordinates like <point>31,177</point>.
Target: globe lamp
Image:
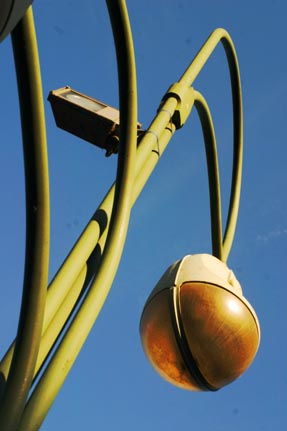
<point>197,329</point>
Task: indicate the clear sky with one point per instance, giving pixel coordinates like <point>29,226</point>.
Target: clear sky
<point>112,386</point>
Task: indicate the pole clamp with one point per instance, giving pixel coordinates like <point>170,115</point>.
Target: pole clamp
<point>185,98</point>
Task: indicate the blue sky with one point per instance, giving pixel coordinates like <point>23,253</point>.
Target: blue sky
<point>111,385</point>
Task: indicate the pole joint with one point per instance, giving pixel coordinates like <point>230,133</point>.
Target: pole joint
<point>185,98</point>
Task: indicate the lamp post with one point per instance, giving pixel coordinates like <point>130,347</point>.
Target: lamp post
<point>190,306</point>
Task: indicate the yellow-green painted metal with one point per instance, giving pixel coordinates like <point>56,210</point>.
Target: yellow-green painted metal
<point>185,100</point>
<point>27,344</point>
<point>221,35</point>
<point>94,259</point>
<point>84,320</point>
<point>213,172</point>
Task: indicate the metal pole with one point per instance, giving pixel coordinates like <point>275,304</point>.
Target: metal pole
<point>213,173</point>
<point>37,223</point>
<point>33,417</point>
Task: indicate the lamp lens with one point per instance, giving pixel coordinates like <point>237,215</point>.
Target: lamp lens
<point>160,345</point>
<point>221,330</point>
<point>86,103</point>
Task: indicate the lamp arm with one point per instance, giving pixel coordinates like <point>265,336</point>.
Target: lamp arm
<point>213,172</point>
<point>237,146</point>
<point>188,77</point>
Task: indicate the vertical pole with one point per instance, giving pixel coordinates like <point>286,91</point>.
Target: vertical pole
<point>53,378</point>
<point>37,224</point>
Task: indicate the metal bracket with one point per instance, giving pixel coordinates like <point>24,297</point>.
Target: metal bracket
<point>185,98</point>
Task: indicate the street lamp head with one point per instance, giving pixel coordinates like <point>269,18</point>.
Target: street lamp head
<point>197,329</point>
<point>86,118</point>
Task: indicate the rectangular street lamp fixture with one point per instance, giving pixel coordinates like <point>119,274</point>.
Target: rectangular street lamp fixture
<point>86,118</point>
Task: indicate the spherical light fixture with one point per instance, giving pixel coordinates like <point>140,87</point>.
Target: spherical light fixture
<point>197,329</point>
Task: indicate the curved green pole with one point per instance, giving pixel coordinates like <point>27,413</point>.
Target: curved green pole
<point>221,35</point>
<point>213,172</point>
<point>53,378</point>
<point>37,223</point>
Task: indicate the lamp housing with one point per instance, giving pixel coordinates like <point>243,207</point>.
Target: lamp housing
<point>87,118</point>
<point>197,329</point>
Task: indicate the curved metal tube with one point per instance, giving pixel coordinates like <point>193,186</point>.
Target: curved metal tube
<point>213,172</point>
<point>54,376</point>
<point>221,35</point>
<point>37,223</point>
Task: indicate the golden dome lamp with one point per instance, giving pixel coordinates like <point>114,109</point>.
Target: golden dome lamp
<point>197,329</point>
